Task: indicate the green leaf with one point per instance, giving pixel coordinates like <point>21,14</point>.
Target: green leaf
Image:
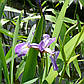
<point>30,66</point>
<point>81,81</point>
<point>82,2</point>
<point>2,4</point>
<point>59,22</point>
<point>20,69</point>
<point>7,8</point>
<point>66,19</point>
<point>51,76</point>
<point>0,72</point>
<point>31,18</point>
<point>75,62</point>
<point>73,58</point>
<point>8,55</point>
<point>50,18</point>
<point>8,33</point>
<point>58,26</point>
<point>30,36</point>
<point>13,45</point>
<point>31,81</point>
<point>82,48</point>
<point>3,62</point>
<point>68,70</point>
<point>22,65</point>
<point>62,32</point>
<point>70,44</point>
<point>4,21</point>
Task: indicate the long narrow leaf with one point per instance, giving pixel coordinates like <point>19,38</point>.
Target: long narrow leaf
<point>31,81</point>
<point>2,4</point>
<point>57,29</point>
<point>13,46</point>
<point>3,61</point>
<point>59,22</point>
<point>30,67</point>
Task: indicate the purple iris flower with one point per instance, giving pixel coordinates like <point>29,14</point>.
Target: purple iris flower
<point>21,49</point>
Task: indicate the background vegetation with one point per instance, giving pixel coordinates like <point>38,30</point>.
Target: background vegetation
<point>27,21</point>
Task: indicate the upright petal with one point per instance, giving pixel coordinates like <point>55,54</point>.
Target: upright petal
<point>51,40</point>
<point>41,46</point>
<point>46,36</point>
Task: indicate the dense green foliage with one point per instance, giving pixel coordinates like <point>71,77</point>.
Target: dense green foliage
<point>28,24</point>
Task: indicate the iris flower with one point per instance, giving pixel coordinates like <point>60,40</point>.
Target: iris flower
<point>21,49</point>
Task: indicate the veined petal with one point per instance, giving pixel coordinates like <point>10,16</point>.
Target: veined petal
<point>53,63</point>
<point>41,46</point>
<point>21,49</point>
<point>51,40</point>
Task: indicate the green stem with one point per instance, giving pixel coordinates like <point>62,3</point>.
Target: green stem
<point>64,69</point>
<point>76,43</point>
<point>0,72</point>
<point>63,53</point>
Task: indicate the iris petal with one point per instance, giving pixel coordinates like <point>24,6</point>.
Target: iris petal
<point>53,60</point>
<point>41,46</point>
<point>21,49</point>
<point>51,40</point>
<point>53,63</point>
<point>46,36</point>
<point>34,45</point>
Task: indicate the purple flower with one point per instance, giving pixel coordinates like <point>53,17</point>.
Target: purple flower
<point>21,49</point>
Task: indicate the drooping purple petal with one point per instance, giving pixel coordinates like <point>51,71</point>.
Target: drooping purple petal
<point>56,54</point>
<point>53,63</point>
<point>21,49</point>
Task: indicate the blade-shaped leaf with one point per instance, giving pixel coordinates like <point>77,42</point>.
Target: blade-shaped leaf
<point>20,69</point>
<point>51,76</point>
<point>72,58</point>
<point>59,22</point>
<point>14,43</point>
<point>30,66</point>
<point>31,81</point>
<point>82,2</point>
<point>3,62</point>
<point>2,4</point>
<point>75,62</point>
<point>0,71</point>
<point>81,81</point>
